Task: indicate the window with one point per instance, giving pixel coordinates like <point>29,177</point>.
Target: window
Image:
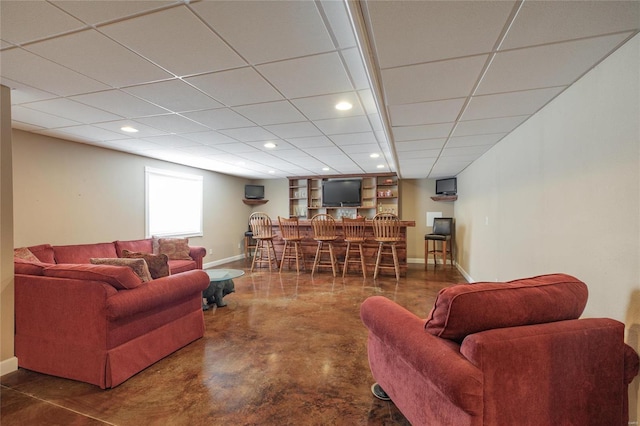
<point>173,203</point>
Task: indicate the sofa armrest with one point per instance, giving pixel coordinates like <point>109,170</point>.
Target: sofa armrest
<point>564,372</point>
<point>197,253</point>
<point>76,307</point>
<point>164,291</point>
<point>437,360</point>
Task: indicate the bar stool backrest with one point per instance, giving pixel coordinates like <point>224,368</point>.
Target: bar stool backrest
<point>353,229</point>
<point>386,227</point>
<point>260,224</point>
<point>289,228</point>
<point>324,227</point>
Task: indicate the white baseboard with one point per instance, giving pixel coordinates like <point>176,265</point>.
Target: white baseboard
<point>8,366</point>
<point>465,274</point>
<point>222,261</point>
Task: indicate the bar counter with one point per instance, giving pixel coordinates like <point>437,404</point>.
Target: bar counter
<point>370,247</point>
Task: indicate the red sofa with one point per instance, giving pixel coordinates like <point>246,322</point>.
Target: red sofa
<point>502,354</point>
<point>100,323</point>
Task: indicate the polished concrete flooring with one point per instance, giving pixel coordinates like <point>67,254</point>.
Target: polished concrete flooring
<point>288,349</point>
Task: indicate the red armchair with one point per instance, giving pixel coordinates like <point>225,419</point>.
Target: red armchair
<point>502,354</point>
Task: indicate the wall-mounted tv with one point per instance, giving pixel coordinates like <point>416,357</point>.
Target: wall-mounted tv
<point>342,193</point>
<point>447,186</point>
<point>254,192</point>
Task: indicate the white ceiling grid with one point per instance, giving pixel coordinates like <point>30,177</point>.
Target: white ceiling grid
<point>208,83</point>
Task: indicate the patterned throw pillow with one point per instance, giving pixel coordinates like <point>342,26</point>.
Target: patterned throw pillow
<point>175,248</point>
<point>25,254</point>
<point>139,266</point>
<point>158,263</point>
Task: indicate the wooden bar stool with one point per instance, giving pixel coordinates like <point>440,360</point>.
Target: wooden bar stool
<point>262,231</point>
<point>443,232</point>
<point>324,232</point>
<point>291,235</point>
<point>354,230</point>
<point>386,231</point>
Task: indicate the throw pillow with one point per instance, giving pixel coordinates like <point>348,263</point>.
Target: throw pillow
<point>158,263</point>
<point>139,266</point>
<point>175,248</point>
<point>25,254</point>
<point>466,309</point>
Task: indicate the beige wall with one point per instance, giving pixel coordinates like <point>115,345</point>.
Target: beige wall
<point>70,193</point>
<point>561,194</point>
<point>7,361</point>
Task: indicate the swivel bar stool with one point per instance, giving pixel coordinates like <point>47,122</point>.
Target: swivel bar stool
<point>354,236</point>
<point>291,235</point>
<point>386,231</point>
<point>262,231</point>
<point>324,232</point>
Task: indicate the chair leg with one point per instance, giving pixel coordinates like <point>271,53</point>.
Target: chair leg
<point>364,268</point>
<point>346,259</point>
<point>375,272</point>
<point>255,254</point>
<point>426,253</point>
<point>444,253</point>
<point>296,245</point>
<point>332,259</point>
<point>396,265</point>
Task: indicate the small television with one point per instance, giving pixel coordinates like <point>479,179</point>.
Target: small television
<point>342,193</point>
<point>447,186</point>
<point>254,192</point>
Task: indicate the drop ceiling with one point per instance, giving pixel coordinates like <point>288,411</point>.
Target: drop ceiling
<point>433,84</point>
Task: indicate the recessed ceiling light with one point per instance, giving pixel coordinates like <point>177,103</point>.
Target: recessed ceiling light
<point>374,155</point>
<point>129,129</point>
<point>326,169</point>
<point>271,172</point>
<point>270,145</point>
<point>380,166</point>
<point>344,106</point>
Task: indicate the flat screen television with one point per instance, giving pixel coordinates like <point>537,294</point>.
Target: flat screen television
<point>254,192</point>
<point>342,193</point>
<point>447,186</point>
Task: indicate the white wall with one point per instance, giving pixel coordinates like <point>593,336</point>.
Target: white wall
<point>561,193</point>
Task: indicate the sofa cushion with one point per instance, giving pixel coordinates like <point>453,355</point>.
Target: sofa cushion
<point>44,252</point>
<point>82,253</point>
<point>120,277</point>
<point>25,254</point>
<point>24,267</point>
<point>139,266</point>
<point>175,248</point>
<point>143,246</point>
<point>158,263</point>
<point>465,309</point>
<point>177,266</point>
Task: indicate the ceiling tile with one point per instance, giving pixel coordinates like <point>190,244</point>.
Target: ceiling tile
<point>235,148</point>
<point>344,125</point>
<point>324,107</point>
<point>209,137</point>
<point>27,68</point>
<point>419,153</point>
<point>200,150</point>
<point>355,67</point>
<point>354,138</point>
<point>21,93</point>
<point>136,145</point>
<point>509,104</point>
<point>429,131</point>
<point>98,57</point>
<point>271,113</point>
<point>249,134</point>
<point>360,148</point>
<point>541,22</point>
<point>221,118</point>
<point>143,130</point>
<point>120,103</point>
<point>90,132</point>
<point>426,112</point>
<point>72,110</point>
<point>438,80</point>
<point>491,125</point>
<point>24,21</point>
<point>280,25</point>
<point>174,95</point>
<point>310,142</point>
<point>323,74</point>
<point>170,39</point>
<point>409,32</point>
<point>38,118</point>
<point>293,130</point>
<point>97,12</point>
<point>419,145</point>
<point>170,141</point>
<point>236,87</point>
<point>474,140</point>
<point>172,123</point>
<point>545,66</point>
